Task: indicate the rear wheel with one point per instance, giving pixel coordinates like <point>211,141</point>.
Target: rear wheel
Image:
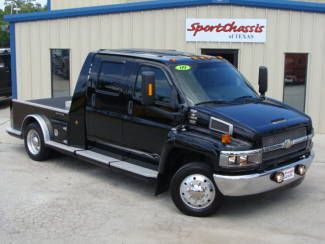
<point>34,143</point>
<point>194,192</point>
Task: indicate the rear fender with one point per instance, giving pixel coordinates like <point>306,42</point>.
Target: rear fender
<point>42,121</point>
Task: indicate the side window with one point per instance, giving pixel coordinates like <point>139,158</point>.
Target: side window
<point>111,74</point>
<point>163,88</point>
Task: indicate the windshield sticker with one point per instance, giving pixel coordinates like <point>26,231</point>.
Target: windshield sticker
<point>183,67</point>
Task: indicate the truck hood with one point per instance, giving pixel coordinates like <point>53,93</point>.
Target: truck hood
<point>260,116</point>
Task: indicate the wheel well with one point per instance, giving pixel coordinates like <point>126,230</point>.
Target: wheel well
<point>41,121</point>
<point>27,122</point>
<point>177,158</point>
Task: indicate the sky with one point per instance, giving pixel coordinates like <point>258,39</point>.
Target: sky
<point>43,2</point>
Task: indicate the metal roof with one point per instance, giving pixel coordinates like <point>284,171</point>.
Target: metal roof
<point>164,4</point>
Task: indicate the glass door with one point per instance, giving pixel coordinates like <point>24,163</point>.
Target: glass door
<point>295,76</point>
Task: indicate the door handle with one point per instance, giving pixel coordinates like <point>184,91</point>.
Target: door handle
<point>130,107</point>
<point>93,100</point>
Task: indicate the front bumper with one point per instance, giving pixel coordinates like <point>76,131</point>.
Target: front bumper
<point>243,185</point>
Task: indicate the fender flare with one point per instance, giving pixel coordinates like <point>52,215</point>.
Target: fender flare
<point>42,121</point>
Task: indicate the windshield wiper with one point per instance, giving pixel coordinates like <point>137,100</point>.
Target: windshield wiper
<point>212,101</point>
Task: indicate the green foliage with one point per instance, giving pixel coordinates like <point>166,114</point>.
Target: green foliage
<point>4,39</point>
<point>24,6</point>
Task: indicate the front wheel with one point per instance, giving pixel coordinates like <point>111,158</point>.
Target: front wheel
<point>194,192</point>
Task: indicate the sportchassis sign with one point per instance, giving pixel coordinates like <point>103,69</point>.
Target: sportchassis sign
<point>226,30</point>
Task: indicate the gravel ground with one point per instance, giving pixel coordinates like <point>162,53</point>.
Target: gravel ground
<point>65,200</point>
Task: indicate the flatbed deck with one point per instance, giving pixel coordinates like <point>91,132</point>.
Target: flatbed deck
<point>51,103</point>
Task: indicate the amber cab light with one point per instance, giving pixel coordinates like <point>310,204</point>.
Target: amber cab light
<point>150,90</point>
<point>226,139</point>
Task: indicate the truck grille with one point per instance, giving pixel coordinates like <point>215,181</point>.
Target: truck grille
<point>280,138</point>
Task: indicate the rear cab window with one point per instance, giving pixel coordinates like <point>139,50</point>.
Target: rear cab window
<point>111,76</point>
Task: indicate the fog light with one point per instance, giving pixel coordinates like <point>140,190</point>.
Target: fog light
<point>301,170</point>
<point>278,177</point>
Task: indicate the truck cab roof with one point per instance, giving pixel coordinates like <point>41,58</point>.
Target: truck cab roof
<point>164,56</point>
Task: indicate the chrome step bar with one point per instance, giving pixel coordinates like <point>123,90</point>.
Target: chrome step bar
<point>61,146</point>
<point>106,160</point>
<point>135,169</point>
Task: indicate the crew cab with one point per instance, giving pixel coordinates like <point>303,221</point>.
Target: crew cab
<point>5,74</point>
<point>190,123</point>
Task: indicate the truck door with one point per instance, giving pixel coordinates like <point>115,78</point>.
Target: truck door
<point>107,100</point>
<point>147,130</point>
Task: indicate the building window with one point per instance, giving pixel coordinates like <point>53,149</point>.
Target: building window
<point>60,72</point>
<point>295,75</point>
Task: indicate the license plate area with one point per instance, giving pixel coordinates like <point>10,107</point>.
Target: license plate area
<point>288,173</point>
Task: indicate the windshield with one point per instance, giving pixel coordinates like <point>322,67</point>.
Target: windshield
<point>212,82</point>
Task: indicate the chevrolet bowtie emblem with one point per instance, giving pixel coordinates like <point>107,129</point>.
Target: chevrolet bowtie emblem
<point>287,144</point>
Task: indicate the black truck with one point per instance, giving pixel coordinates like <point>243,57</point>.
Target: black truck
<point>189,123</point>
<point>5,75</point>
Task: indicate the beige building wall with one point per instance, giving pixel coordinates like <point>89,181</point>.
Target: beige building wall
<point>287,31</point>
<point>64,4</point>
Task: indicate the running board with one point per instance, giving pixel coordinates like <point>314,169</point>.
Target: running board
<point>107,161</point>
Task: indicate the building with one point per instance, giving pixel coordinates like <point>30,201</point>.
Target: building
<point>286,36</point>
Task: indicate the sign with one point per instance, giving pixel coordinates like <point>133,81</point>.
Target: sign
<point>183,67</point>
<point>226,30</point>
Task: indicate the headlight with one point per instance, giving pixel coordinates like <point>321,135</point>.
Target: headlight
<point>239,159</point>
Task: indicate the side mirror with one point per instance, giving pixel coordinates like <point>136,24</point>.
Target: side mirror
<point>148,88</point>
<point>262,80</point>
<point>174,99</point>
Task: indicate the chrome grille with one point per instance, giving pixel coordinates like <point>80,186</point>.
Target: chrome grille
<point>284,152</point>
<point>281,137</point>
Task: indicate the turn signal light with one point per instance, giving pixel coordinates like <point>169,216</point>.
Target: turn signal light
<point>150,90</point>
<point>226,139</point>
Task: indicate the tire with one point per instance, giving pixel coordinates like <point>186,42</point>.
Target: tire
<point>204,198</point>
<point>34,143</point>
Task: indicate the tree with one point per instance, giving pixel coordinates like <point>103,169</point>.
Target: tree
<point>12,7</point>
<point>24,6</point>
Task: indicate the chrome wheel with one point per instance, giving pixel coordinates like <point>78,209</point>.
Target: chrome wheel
<point>33,142</point>
<point>197,191</point>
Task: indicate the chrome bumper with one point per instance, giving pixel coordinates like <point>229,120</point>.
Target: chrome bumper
<point>243,185</point>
